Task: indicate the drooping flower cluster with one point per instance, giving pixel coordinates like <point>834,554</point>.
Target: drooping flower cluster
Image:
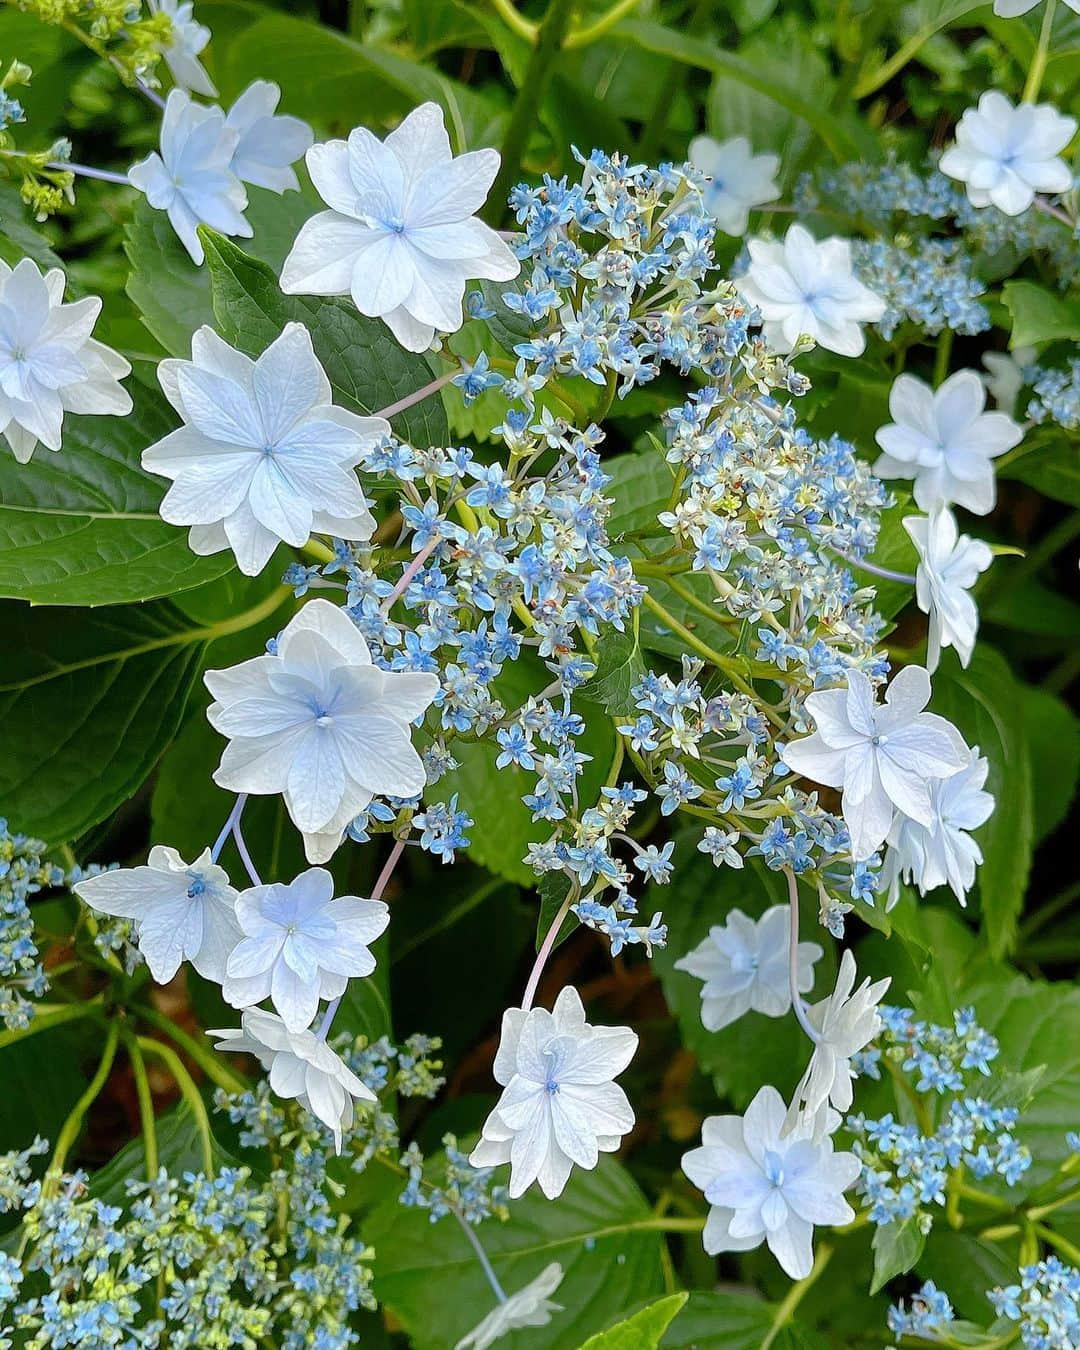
<point>24,870</point>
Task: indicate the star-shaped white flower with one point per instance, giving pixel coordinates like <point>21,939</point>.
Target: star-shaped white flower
<point>263,455</point>
<point>319,723</point>
<point>300,945</point>
<point>49,363</point>
<point>401,236</point>
<point>846,1022</point>
<point>882,757</point>
<point>192,179</point>
<point>189,39</point>
<point>559,1104</point>
<point>1005,154</point>
<point>1004,376</point>
<point>803,286</point>
<point>182,911</point>
<point>949,565</point>
<point>1011,9</point>
<point>301,1067</point>
<point>268,145</point>
<point>740,180</point>
<point>767,1185</point>
<point>945,441</point>
<point>529,1307</point>
<point>744,965</point>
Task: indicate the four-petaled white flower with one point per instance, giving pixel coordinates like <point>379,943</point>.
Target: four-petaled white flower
<point>767,1185</point>
<point>882,756</point>
<point>739,179</point>
<point>49,363</point>
<point>846,1023</point>
<point>401,236</point>
<point>263,455</point>
<point>301,1066</point>
<point>319,723</point>
<point>181,911</point>
<point>300,945</point>
<point>943,852</point>
<point>1011,9</point>
<point>189,39</point>
<point>559,1104</point>
<point>744,965</point>
<point>949,565</point>
<point>945,441</point>
<point>268,145</point>
<point>529,1307</point>
<point>803,286</point>
<point>1005,154</point>
<point>191,179</point>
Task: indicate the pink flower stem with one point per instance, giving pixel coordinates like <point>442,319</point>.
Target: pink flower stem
<point>543,954</point>
<point>417,396</point>
<point>793,958</point>
<point>407,576</point>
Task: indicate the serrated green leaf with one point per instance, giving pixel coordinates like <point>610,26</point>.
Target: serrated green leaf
<point>897,1247</point>
<point>619,667</point>
<point>642,1331</point>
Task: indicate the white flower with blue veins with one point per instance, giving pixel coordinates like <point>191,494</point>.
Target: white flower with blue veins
<point>559,1106</point>
<point>300,945</point>
<point>744,966</point>
<point>181,911</point>
<point>529,1307</point>
<point>268,144</point>
<point>768,1184</point>
<point>401,236</point>
<point>263,456</point>
<point>318,722</point>
<point>739,180</point>
<point>189,39</point>
<point>949,565</point>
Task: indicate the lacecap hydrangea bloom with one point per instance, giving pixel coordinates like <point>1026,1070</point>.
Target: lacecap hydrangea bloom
<point>738,180</point>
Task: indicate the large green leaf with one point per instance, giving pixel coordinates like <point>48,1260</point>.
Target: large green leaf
<point>729,1321</point>
<point>1038,315</point>
<point>1053,732</point>
<point>643,1330</point>
<point>1050,462</point>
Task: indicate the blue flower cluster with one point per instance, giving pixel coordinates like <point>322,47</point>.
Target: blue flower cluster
<point>929,283</point>
<point>929,1316</point>
<point>1045,1305</point>
<point>23,872</point>
<point>461,1189</point>
<point>1057,394</point>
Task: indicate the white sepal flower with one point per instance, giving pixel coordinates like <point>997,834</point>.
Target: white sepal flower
<point>401,236</point>
<point>739,179</point>
<point>319,723</point>
<point>846,1023</point>
<point>744,965</point>
<point>881,756</point>
<point>191,179</point>
<point>263,455</point>
<point>1005,154</point>
<point>945,441</point>
<point>949,565</point>
<point>559,1104</point>
<point>803,286</point>
<point>767,1185</point>
<point>529,1307</point>
<point>49,363</point>
<point>1012,9</point>
<point>301,1067</point>
<point>300,945</point>
<point>1004,376</point>
<point>268,145</point>
<point>181,911</point>
<point>189,39</point>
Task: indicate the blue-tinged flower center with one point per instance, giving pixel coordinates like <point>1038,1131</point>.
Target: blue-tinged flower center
<point>551,1086</point>
<point>197,887</point>
<point>774,1167</point>
<point>395,224</point>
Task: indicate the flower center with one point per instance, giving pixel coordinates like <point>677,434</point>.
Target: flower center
<point>744,963</point>
<point>395,224</point>
<point>774,1167</point>
<point>197,887</point>
<point>550,1086</point>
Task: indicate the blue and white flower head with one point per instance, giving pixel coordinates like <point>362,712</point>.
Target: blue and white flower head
<point>805,287</point>
<point>949,565</point>
<point>1006,153</point>
<point>559,1106</point>
<point>945,440</point>
<point>49,363</point>
<point>268,144</point>
<point>401,235</point>
<point>181,911</point>
<point>529,1307</point>
<point>263,455</point>
<point>744,966</point>
<point>189,39</point>
<point>739,180</point>
<point>765,1183</point>
<point>321,724</point>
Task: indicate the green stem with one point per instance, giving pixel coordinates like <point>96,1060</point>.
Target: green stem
<point>516,22</point>
<point>795,1295</point>
<point>592,32</point>
<point>45,1021</point>
<point>219,1074</point>
<point>1067,1249</point>
<point>652,136</point>
<point>941,357</point>
<point>146,1105</point>
<point>188,1091</point>
<point>1038,63</point>
<point>1050,910</point>
<point>69,1131</point>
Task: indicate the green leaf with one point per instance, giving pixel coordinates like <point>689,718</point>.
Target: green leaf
<point>81,526</point>
<point>642,1331</point>
<point>897,1247</point>
<point>967,1268</point>
<point>365,365</point>
<point>552,889</point>
<point>725,1321</point>
<point>619,667</point>
<point>179,1151</point>
<point>1053,733</point>
<point>1053,469</point>
<point>1038,315</point>
<point>18,238</point>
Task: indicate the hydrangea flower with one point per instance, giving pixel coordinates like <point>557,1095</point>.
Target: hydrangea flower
<point>768,1184</point>
<point>559,1104</point>
<point>803,286</point>
<point>949,565</point>
<point>1005,375</point>
<point>263,455</point>
<point>319,723</point>
<point>744,966</point>
<point>529,1307</point>
<point>300,945</point>
<point>882,757</point>
<point>1006,153</point>
<point>191,179</point>
<point>49,363</point>
<point>739,180</point>
<point>401,235</point>
<point>945,441</point>
<point>1011,9</point>
<point>267,145</point>
<point>189,39</point>
<point>182,911</point>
